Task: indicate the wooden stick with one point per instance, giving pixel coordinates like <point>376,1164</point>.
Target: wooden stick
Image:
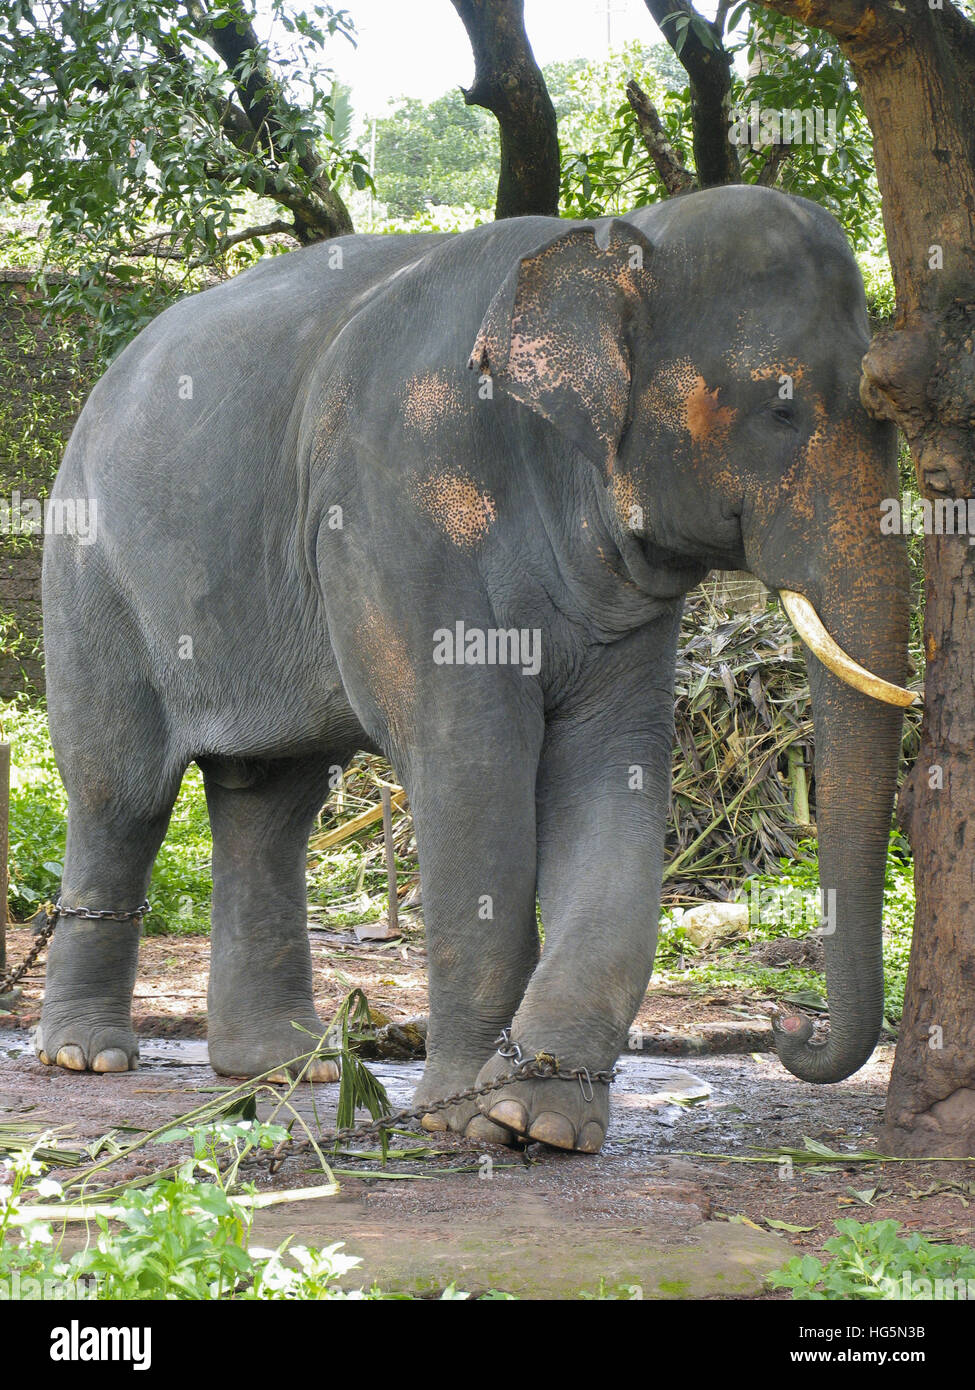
<point>392,914</point>
<point>84,1211</point>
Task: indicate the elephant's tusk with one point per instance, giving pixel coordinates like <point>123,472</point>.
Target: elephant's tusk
<point>809,626</point>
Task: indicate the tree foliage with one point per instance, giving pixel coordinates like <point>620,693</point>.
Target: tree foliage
<point>145,129</point>
<point>443,152</point>
<point>789,69</point>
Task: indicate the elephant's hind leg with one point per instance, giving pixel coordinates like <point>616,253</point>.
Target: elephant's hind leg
<point>114,833</point>
<point>260,964</point>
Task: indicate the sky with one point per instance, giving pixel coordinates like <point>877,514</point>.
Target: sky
<point>419,48</point>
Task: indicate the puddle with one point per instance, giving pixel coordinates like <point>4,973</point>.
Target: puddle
<point>15,1044</point>
<point>173,1052</point>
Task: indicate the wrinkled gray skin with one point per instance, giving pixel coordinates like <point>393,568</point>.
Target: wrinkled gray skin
<point>621,433</point>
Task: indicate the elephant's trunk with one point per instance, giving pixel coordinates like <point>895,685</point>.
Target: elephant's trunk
<point>857,752</point>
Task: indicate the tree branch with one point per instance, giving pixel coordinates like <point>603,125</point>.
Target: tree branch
<point>320,212</point>
<point>509,83</point>
<point>708,68</point>
<point>275,228</point>
<point>849,21</point>
<point>675,177</point>
<point>774,160</point>
<point>150,246</point>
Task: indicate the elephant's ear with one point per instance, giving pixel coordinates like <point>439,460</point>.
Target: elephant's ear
<point>557,334</point>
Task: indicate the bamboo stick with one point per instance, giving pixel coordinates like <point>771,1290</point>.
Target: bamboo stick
<point>392,912</point>
<point>357,823</point>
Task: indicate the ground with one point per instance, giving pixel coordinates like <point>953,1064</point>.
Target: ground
<point>666,1206</point>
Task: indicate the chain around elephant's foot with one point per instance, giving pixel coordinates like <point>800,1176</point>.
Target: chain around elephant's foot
<point>463,1118</point>
<point>565,1112</point>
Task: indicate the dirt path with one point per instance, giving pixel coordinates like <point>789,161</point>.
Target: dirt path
<point>664,1206</point>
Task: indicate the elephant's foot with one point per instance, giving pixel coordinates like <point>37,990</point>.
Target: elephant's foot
<point>254,1044</point>
<point>98,1038</point>
<point>441,1080</point>
<point>86,1018</point>
<point>560,1112</point>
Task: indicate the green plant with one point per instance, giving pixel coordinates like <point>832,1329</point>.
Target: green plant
<point>875,1261</point>
<point>185,1237</point>
<point>784,905</point>
<point>27,1250</point>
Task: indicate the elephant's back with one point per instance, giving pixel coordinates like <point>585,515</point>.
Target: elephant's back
<point>185,454</point>
<point>227,360</point>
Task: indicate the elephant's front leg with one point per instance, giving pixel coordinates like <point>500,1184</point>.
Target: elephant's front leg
<point>603,788</point>
<point>474,808</point>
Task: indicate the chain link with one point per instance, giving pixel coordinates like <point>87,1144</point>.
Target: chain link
<point>54,911</point>
<point>13,977</point>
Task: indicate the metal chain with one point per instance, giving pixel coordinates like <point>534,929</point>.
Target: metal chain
<point>99,914</point>
<point>54,911</point>
<point>13,977</point>
<point>543,1066</point>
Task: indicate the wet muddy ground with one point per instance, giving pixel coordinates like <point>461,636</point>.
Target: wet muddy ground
<point>667,1205</point>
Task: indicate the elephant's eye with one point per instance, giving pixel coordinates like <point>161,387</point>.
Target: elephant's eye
<point>783,413</point>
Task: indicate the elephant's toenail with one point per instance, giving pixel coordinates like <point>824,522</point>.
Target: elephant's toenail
<point>43,1057</point>
<point>553,1129</point>
<point>112,1059</point>
<point>481,1129</point>
<point>72,1059</point>
<point>436,1123</point>
<point>279,1078</point>
<point>510,1113</point>
<point>591,1138</point>
<point>323,1072</point>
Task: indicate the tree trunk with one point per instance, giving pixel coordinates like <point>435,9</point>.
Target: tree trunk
<point>708,68</point>
<point>915,67</point>
<point>509,83</point>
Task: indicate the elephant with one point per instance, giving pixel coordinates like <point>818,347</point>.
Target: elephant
<point>442,496</point>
